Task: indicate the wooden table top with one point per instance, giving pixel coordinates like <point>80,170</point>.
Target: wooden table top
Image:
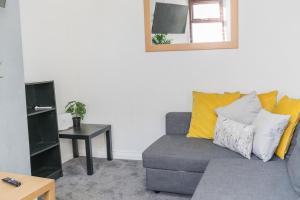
<point>30,188</point>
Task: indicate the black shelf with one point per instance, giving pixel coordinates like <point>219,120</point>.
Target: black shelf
<point>41,147</point>
<point>32,112</point>
<point>48,172</point>
<point>39,82</point>
<point>43,130</point>
<point>45,164</point>
<point>40,94</point>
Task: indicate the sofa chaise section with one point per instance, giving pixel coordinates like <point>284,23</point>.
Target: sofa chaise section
<point>236,179</point>
<point>175,163</point>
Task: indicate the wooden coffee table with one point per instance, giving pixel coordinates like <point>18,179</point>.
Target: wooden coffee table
<point>86,133</point>
<point>31,188</point>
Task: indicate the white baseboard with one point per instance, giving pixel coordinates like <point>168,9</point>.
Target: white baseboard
<point>125,155</point>
<point>66,157</point>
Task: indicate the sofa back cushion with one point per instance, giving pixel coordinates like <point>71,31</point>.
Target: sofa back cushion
<point>178,123</point>
<point>293,166</point>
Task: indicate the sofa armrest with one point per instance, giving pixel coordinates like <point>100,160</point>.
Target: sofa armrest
<point>293,142</point>
<point>178,123</point>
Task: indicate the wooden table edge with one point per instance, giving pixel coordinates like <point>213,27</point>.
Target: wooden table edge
<point>50,187</point>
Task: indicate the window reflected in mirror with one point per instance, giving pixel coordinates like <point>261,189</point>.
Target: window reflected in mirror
<point>208,22</point>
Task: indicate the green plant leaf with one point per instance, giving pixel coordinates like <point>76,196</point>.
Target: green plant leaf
<point>161,39</point>
<point>76,109</point>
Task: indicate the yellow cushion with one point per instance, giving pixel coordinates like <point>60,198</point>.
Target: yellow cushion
<point>204,116</point>
<point>268,100</point>
<point>287,106</point>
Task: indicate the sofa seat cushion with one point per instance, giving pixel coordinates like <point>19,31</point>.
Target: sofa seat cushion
<point>175,152</point>
<point>236,179</point>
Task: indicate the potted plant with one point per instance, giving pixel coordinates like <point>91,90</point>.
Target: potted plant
<point>77,110</point>
<point>161,39</point>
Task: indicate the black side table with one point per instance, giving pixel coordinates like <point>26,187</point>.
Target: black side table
<point>86,133</point>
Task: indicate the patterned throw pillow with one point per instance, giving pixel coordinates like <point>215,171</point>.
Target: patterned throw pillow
<point>234,136</point>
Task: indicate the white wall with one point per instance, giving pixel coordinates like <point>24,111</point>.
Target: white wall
<point>14,145</point>
<point>78,44</point>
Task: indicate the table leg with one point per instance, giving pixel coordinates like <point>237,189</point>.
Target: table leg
<point>50,195</point>
<point>89,156</point>
<point>75,148</point>
<point>109,145</point>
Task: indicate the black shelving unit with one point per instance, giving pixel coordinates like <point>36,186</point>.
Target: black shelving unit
<point>43,130</point>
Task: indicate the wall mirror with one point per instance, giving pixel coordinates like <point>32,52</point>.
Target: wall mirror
<point>177,25</point>
<point>2,3</point>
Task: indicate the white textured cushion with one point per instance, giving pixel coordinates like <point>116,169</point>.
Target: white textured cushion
<point>243,110</point>
<point>234,135</point>
<point>268,129</point>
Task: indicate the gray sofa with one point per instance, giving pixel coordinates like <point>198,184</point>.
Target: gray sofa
<point>177,164</point>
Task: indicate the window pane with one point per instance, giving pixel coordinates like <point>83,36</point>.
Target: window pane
<point>205,11</point>
<point>207,32</point>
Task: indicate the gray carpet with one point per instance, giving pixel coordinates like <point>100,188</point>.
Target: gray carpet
<point>115,180</point>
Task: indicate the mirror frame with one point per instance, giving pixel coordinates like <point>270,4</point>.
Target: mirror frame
<point>233,44</point>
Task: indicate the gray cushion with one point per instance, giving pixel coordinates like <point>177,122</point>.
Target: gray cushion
<point>178,123</point>
<point>243,110</point>
<point>241,179</point>
<point>175,152</point>
<point>293,166</point>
